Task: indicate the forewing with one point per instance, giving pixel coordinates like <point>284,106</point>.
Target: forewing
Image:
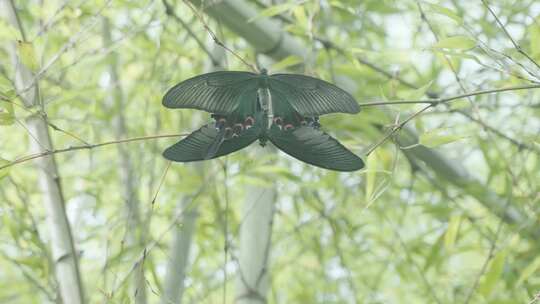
<point>218,92</point>
<point>316,148</point>
<point>196,145</point>
<point>310,96</point>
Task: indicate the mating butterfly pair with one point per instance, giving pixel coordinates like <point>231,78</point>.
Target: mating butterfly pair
<point>281,108</point>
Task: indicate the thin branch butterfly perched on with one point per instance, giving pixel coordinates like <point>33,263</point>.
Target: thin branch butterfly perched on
<point>281,108</point>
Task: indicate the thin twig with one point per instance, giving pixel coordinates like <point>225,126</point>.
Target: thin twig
<point>161,183</point>
<point>74,40</point>
<point>535,299</point>
<point>517,143</point>
<point>87,147</point>
<point>170,12</point>
<point>473,104</point>
<point>436,102</point>
<point>490,255</point>
<point>516,46</point>
<point>412,261</point>
<point>447,99</point>
<point>216,39</point>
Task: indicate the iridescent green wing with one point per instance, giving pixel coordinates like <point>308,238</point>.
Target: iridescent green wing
<point>197,145</point>
<point>218,92</point>
<point>310,96</point>
<point>315,147</point>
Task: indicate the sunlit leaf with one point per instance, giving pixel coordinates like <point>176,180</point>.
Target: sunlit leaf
<point>445,11</point>
<point>277,170</point>
<point>458,55</point>
<point>534,36</point>
<point>27,55</point>
<point>342,6</point>
<point>286,62</point>
<point>434,252</point>
<point>456,43</point>
<point>459,104</point>
<point>493,274</point>
<point>452,232</point>
<point>528,271</point>
<point>274,10</point>
<point>415,94</point>
<point>371,174</point>
<point>7,113</point>
<point>8,32</point>
<point>438,137</point>
<point>299,13</point>
<point>4,172</point>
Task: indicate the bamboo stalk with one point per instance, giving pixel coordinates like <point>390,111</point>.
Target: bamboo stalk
<point>61,241</point>
<point>134,229</point>
<point>177,264</point>
<point>255,241</point>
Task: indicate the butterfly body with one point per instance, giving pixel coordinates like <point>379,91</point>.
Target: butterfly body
<point>281,108</point>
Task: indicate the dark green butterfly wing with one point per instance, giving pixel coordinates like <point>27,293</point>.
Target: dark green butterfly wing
<point>218,92</point>
<point>310,96</point>
<point>316,148</point>
<point>197,145</point>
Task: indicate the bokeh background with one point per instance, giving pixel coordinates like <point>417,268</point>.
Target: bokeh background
<point>446,210</point>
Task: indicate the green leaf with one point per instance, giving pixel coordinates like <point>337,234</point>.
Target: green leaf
<point>459,55</point>
<point>27,55</point>
<point>534,33</point>
<point>460,104</point>
<point>8,32</point>
<point>7,113</point>
<point>274,10</point>
<point>4,172</point>
<point>435,138</point>
<point>531,269</point>
<point>415,94</point>
<point>445,11</point>
<point>493,274</point>
<point>286,62</point>
<point>340,5</point>
<point>300,14</point>
<point>371,174</point>
<point>456,43</point>
<point>434,253</point>
<point>451,232</point>
<point>270,170</point>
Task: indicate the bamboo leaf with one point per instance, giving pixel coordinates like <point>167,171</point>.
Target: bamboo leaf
<point>534,34</point>
<point>415,94</point>
<point>4,172</point>
<point>436,137</point>
<point>456,43</point>
<point>445,12</point>
<point>286,62</point>
<point>493,274</point>
<point>531,269</point>
<point>371,175</point>
<point>452,232</point>
<point>27,55</point>
<point>434,253</point>
<point>7,113</point>
<point>300,14</point>
<point>339,5</point>
<point>8,32</point>
<point>273,11</point>
<point>458,55</point>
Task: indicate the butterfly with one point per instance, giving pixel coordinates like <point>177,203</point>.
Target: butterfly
<point>281,108</point>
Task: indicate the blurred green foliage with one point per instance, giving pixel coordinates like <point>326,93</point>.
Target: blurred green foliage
<point>392,233</point>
